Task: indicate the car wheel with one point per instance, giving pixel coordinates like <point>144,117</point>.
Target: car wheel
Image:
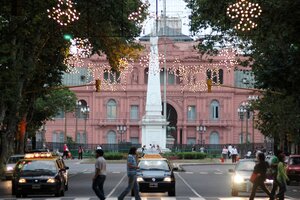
<point>172,193</point>
<point>234,193</point>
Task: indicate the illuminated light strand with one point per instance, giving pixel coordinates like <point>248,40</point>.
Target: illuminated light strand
<point>245,12</point>
<point>137,16</point>
<point>81,47</point>
<point>63,13</point>
<point>144,62</point>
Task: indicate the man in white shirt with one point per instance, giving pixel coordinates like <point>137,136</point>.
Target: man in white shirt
<point>100,174</point>
<point>234,154</point>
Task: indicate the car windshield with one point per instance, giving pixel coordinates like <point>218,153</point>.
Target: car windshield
<point>37,167</point>
<point>294,161</point>
<point>154,165</point>
<point>14,159</point>
<point>245,166</point>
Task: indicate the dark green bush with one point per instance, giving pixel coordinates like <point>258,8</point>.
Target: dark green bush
<point>191,155</point>
<point>113,156</point>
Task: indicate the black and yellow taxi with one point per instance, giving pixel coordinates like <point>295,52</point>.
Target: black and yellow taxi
<point>40,173</point>
<point>156,174</point>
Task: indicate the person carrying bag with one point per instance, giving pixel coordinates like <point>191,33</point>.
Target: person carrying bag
<point>282,177</point>
<point>259,176</point>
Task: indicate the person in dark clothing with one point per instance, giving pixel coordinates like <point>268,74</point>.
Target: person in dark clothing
<point>261,170</point>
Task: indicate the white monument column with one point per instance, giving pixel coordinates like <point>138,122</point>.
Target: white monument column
<point>153,123</point>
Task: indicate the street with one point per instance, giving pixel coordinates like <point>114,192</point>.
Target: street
<point>197,182</point>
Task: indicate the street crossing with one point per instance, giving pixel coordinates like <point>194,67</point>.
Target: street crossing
<point>144,198</point>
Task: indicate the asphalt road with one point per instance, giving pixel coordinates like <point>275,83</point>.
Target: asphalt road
<point>197,182</point>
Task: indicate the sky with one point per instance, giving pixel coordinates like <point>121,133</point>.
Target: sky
<point>174,8</point>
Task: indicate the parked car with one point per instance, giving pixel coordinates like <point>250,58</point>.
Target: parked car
<point>240,179</point>
<point>293,168</point>
<point>40,173</point>
<point>10,165</point>
<point>155,175</point>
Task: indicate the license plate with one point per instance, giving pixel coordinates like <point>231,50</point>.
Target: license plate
<point>153,185</point>
<point>36,186</point>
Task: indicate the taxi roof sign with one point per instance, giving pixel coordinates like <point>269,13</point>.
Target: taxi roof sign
<point>152,156</point>
<point>38,155</point>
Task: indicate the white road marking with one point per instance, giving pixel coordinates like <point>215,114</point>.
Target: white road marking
<point>194,191</point>
<point>189,172</point>
<point>203,172</point>
<point>113,190</point>
<point>82,198</point>
<point>218,173</point>
<point>116,172</point>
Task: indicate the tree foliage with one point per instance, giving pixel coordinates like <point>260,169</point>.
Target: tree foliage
<point>32,50</point>
<point>274,48</point>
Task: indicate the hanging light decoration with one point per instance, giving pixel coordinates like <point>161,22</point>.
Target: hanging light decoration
<point>137,16</point>
<point>81,47</point>
<point>63,13</point>
<point>245,13</point>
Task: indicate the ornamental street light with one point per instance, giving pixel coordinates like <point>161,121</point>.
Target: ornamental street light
<point>241,111</point>
<point>201,129</point>
<point>121,130</point>
<point>77,111</point>
<point>85,111</point>
<point>252,99</point>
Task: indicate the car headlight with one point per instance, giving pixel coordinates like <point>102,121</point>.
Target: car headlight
<point>139,179</point>
<point>238,178</point>
<point>268,181</point>
<point>168,179</point>
<point>51,180</point>
<point>22,180</point>
<point>9,168</point>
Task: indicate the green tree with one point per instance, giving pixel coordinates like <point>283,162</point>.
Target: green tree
<point>273,51</point>
<point>32,50</point>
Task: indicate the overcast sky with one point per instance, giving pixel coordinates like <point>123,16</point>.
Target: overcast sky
<point>174,8</point>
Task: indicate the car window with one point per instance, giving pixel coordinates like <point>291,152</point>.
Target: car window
<point>245,166</point>
<point>154,165</point>
<point>14,159</point>
<point>295,161</point>
<point>35,167</point>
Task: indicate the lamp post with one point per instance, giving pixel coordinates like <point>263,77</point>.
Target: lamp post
<point>121,130</point>
<point>201,129</point>
<point>77,110</point>
<point>85,111</point>
<point>251,99</point>
<point>241,111</point>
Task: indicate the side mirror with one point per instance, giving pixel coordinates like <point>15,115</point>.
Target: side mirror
<point>231,170</point>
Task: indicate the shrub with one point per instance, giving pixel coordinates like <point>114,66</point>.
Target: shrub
<point>191,155</point>
<point>113,156</point>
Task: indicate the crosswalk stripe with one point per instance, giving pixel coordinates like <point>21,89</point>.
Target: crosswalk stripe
<point>82,198</point>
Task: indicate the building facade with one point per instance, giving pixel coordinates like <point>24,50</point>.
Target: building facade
<point>195,116</point>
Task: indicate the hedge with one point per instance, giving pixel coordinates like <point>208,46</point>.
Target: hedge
<point>191,155</point>
<point>114,156</point>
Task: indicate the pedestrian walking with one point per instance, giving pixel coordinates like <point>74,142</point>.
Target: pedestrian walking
<point>131,173</point>
<point>224,152</point>
<point>229,150</point>
<point>274,166</point>
<point>282,177</point>
<point>260,169</point>
<point>234,154</point>
<point>80,152</point>
<point>100,174</point>
<point>66,151</point>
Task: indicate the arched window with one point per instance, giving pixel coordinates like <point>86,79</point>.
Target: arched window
<point>215,110</point>
<point>111,137</point>
<point>214,138</point>
<point>82,104</point>
<point>111,109</point>
<point>146,75</point>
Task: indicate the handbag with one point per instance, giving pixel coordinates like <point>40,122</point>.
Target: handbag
<point>253,177</point>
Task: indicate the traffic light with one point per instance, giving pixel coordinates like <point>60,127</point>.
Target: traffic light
<point>67,37</point>
<point>209,84</point>
<point>98,85</point>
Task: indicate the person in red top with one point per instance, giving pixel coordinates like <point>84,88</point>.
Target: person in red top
<point>80,151</point>
<point>66,151</point>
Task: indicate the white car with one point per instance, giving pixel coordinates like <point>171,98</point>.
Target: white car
<point>10,164</point>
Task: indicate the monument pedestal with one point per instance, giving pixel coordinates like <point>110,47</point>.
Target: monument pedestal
<point>154,131</point>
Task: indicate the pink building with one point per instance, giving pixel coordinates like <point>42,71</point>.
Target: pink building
<point>115,113</point>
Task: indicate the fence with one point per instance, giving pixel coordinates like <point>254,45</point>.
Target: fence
<point>213,150</point>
